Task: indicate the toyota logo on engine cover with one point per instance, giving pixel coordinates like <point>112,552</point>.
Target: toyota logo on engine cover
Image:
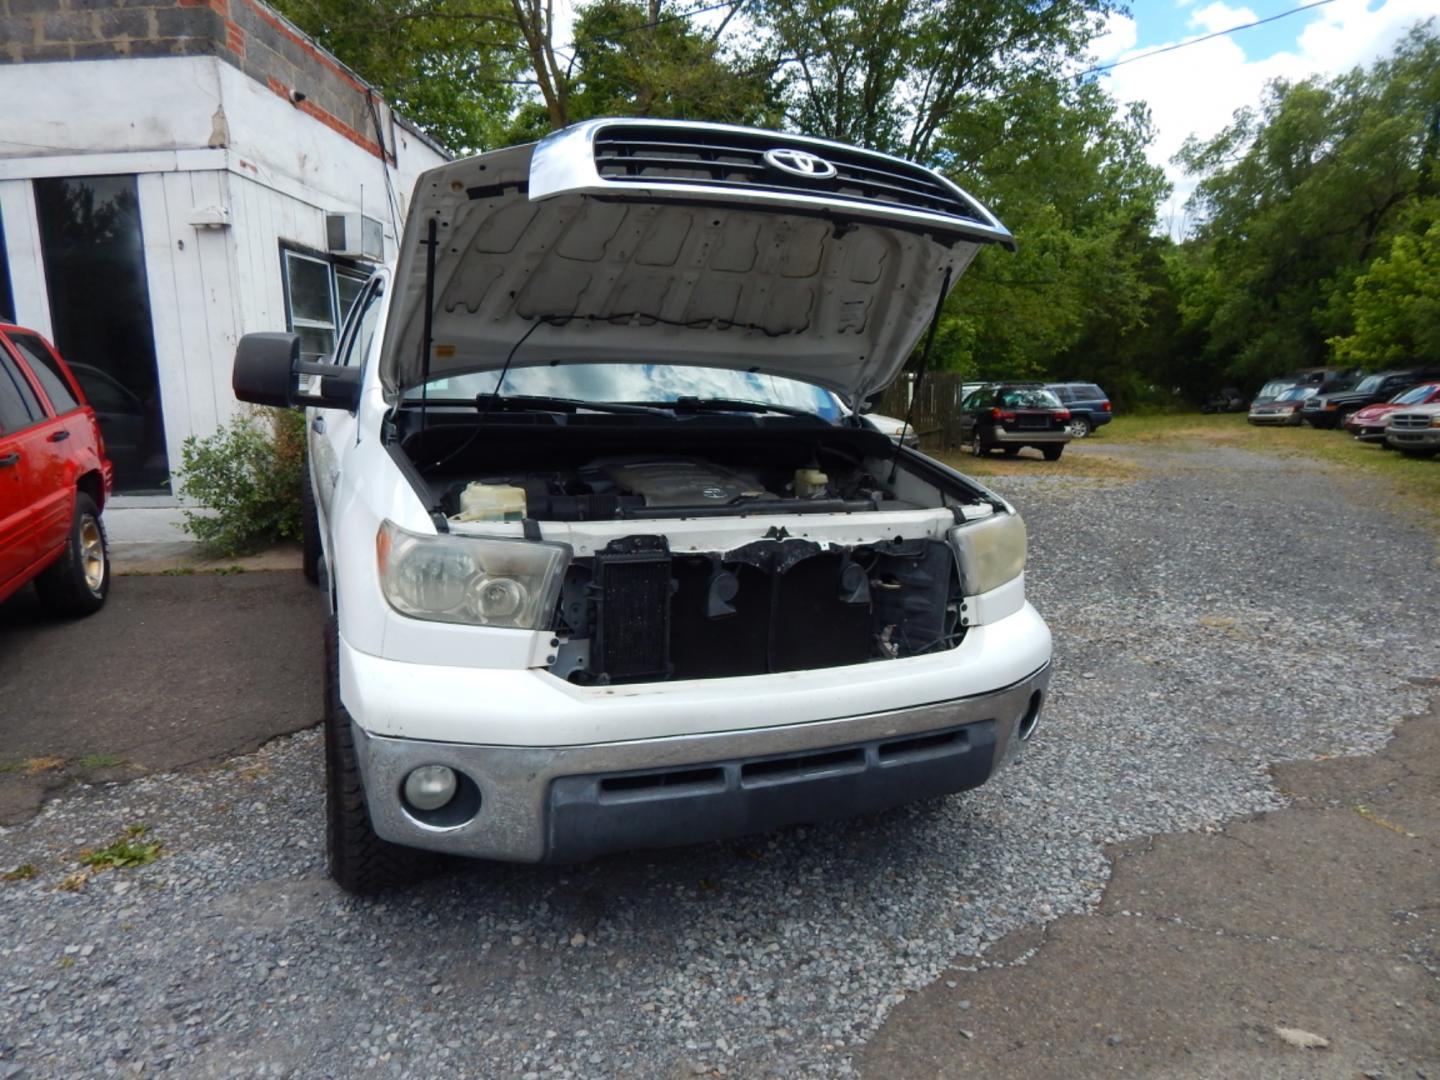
<point>799,163</point>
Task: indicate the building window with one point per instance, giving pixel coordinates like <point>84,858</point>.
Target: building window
<point>318,295</point>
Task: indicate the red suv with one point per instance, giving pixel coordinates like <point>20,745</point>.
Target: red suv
<point>54,479</point>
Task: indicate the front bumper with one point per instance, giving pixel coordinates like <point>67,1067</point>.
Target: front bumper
<point>1287,419</point>
<point>1413,438</point>
<point>563,803</point>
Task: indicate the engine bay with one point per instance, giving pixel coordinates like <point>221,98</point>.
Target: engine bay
<point>635,609</point>
<point>650,486</point>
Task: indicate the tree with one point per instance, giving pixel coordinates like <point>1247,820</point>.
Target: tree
<point>1395,304</point>
<point>454,67</point>
<point>889,74</point>
<point>636,59</point>
<point>1297,197</point>
<point>1067,175</point>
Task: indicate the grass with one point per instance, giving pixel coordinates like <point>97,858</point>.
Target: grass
<point>1413,481</point>
<point>100,761</point>
<point>33,766</point>
<point>23,872</point>
<point>130,849</point>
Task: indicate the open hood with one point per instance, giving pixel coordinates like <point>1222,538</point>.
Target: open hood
<point>624,241</point>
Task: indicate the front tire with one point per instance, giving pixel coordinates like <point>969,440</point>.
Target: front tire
<point>978,446</point>
<point>1052,453</point>
<point>1079,427</point>
<point>360,862</point>
<point>79,581</point>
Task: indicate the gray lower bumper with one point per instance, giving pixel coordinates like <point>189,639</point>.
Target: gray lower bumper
<point>574,802</point>
<point>1414,439</point>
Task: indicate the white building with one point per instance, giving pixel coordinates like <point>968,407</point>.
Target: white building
<point>173,176</point>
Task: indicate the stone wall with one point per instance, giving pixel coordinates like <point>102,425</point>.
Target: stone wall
<point>243,33</point>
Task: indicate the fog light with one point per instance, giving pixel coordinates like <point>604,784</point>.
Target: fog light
<point>430,787</point>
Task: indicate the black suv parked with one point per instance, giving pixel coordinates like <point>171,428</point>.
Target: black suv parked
<point>1326,409</point>
<point>1088,404</point>
<point>1012,415</point>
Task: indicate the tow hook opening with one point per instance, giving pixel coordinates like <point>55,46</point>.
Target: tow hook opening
<point>1031,719</point>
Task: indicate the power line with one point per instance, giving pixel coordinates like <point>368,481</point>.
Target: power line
<point>1196,41</point>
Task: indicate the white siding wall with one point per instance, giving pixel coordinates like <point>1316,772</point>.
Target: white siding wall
<point>278,173</point>
<point>192,283</point>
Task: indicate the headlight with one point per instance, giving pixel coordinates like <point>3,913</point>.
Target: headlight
<point>1435,421</point>
<point>991,551</point>
<point>468,579</point>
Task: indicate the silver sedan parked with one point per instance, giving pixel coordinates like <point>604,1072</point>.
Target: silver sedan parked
<point>1284,409</point>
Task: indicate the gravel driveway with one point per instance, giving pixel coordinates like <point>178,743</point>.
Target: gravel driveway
<point>1222,611</point>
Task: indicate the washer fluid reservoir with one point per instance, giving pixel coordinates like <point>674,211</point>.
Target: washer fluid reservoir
<point>491,502</point>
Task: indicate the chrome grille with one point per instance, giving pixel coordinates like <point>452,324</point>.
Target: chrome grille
<point>1410,421</point>
<point>736,159</point>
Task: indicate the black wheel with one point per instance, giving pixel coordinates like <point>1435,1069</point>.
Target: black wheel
<point>79,581</point>
<point>1010,451</point>
<point>978,446</point>
<point>1385,445</point>
<point>359,861</point>
<point>1052,453</point>
<point>309,528</point>
<point>1079,427</point>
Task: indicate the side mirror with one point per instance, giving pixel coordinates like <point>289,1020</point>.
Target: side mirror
<point>267,371</point>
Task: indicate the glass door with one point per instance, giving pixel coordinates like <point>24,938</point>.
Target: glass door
<point>100,310</point>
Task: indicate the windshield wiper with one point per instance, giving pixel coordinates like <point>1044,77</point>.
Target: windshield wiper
<point>699,404</point>
<point>522,402</point>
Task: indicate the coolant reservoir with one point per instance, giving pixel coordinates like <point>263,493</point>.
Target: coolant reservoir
<point>491,502</point>
<point>809,483</point>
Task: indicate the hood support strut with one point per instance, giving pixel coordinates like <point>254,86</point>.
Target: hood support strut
<point>920,375</point>
<point>428,336</point>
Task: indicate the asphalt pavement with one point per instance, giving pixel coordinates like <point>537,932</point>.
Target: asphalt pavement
<point>176,670</point>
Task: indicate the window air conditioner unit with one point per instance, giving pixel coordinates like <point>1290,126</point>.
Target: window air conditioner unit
<point>355,236</point>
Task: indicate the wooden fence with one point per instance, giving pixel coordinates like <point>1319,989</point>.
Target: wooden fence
<point>936,414</point>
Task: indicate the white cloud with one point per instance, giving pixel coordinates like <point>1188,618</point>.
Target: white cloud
<point>1119,37</point>
<point>1213,18</point>
<point>1196,90</point>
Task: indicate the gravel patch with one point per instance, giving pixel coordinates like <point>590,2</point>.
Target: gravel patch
<point>1209,618</point>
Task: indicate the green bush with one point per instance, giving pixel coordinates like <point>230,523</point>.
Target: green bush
<point>247,477</point>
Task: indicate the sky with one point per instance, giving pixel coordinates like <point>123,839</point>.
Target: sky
<point>1196,90</point>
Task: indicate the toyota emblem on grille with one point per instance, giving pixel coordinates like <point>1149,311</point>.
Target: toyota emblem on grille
<point>799,163</point>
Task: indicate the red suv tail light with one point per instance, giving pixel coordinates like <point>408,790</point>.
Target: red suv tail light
<point>1105,405</point>
<point>1062,414</point>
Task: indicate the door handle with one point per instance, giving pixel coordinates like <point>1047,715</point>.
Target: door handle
<point>9,459</point>
<point>317,425</point>
<point>59,436</point>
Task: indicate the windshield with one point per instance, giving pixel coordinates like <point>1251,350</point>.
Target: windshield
<point>1369,384</point>
<point>1274,389</point>
<point>1414,396</point>
<point>636,383</point>
<point>1029,399</point>
<point>1298,393</point>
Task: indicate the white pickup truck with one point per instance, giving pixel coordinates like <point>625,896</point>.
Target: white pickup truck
<point>609,565</point>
